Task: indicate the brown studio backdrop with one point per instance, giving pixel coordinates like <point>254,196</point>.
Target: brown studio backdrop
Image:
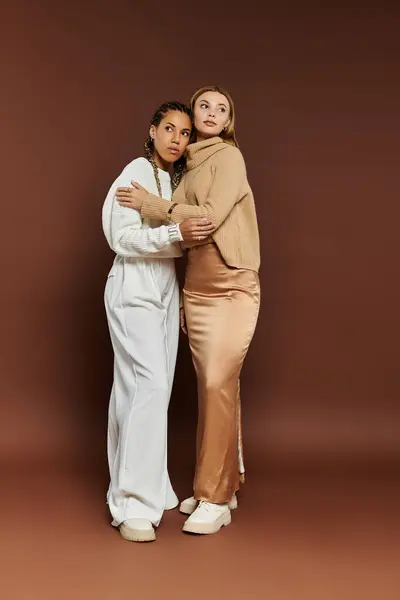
<point>317,100</point>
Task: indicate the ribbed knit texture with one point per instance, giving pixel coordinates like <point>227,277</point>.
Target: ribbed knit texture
<point>215,186</point>
<point>125,231</point>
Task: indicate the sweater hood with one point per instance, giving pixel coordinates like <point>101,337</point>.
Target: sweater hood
<point>198,152</point>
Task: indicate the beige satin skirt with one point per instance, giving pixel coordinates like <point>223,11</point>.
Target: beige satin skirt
<point>221,307</point>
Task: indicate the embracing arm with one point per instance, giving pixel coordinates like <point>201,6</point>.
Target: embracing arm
<point>123,226</point>
<point>129,239</point>
<point>226,188</point>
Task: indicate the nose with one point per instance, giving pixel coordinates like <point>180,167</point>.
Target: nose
<point>211,112</point>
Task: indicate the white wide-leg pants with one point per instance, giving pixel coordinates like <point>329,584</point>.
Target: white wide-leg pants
<point>142,305</point>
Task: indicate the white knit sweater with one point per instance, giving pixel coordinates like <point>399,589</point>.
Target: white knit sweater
<point>126,232</point>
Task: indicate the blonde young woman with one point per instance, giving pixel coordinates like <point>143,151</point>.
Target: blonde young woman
<point>221,297</point>
<point>142,306</point>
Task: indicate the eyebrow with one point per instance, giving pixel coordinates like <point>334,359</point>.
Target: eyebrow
<point>219,103</point>
<point>174,126</point>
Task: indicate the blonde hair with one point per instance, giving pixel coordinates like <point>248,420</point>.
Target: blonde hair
<point>228,135</point>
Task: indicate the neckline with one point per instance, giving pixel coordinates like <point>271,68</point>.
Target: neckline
<point>161,173</point>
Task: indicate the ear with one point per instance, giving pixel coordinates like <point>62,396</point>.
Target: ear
<point>226,127</point>
<point>152,131</point>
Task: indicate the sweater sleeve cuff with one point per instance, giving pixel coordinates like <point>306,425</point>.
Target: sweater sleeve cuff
<point>155,208</point>
<point>174,233</point>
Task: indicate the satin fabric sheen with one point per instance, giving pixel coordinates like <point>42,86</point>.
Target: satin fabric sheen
<point>221,307</point>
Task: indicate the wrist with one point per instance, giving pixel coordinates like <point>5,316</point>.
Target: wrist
<point>174,233</point>
<point>144,198</point>
<point>169,212</point>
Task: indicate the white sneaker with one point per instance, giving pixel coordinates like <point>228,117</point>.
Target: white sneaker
<point>208,518</point>
<point>137,530</point>
<point>190,504</point>
<point>172,504</point>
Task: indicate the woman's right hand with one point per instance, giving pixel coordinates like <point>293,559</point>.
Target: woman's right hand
<point>196,229</point>
<point>131,197</point>
<point>183,320</point>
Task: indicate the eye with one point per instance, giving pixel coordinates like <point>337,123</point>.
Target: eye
<point>168,128</point>
<point>186,133</point>
<point>222,109</point>
<point>203,105</point>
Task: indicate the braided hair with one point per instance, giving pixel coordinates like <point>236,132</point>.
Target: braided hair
<point>179,165</point>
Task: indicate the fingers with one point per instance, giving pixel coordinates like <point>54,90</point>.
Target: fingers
<point>207,229</point>
<point>204,231</point>
<point>123,192</point>
<point>124,197</point>
<point>200,221</point>
<point>200,225</point>
<point>128,190</point>
<point>198,229</point>
<point>189,239</point>
<point>195,236</point>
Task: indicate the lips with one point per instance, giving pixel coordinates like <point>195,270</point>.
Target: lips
<point>209,123</point>
<point>173,150</point>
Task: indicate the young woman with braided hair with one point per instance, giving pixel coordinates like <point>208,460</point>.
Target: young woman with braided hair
<point>221,297</point>
<point>142,306</point>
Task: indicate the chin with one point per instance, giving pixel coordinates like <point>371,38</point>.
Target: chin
<point>209,134</point>
<point>171,159</point>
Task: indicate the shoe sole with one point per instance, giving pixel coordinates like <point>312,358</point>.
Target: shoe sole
<point>137,535</point>
<point>207,528</point>
<point>187,508</point>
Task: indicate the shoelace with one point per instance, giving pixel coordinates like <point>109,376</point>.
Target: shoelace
<point>204,504</point>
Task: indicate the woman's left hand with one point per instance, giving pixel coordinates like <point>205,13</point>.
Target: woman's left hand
<point>131,197</point>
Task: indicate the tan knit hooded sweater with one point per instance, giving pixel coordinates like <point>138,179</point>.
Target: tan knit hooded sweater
<point>215,186</point>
